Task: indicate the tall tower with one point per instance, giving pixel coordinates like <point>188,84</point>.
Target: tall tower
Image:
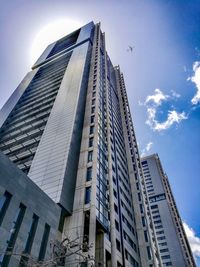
<point>171,238</point>
<point>41,122</point>
<point>68,127</point>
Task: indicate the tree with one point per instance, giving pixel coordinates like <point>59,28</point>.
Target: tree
<point>62,254</point>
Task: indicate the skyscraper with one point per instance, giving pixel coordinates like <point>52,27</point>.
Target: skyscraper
<point>170,235</point>
<point>68,127</point>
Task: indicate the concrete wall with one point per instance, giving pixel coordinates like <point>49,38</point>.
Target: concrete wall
<point>24,191</point>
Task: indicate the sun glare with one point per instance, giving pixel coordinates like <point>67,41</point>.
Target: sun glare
<point>49,34</point>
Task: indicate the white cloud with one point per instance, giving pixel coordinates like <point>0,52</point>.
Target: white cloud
<point>157,98</point>
<point>196,80</point>
<point>146,149</point>
<point>193,239</point>
<point>173,117</point>
<point>175,94</point>
<point>148,146</point>
<point>152,102</point>
<point>185,68</point>
<point>140,103</point>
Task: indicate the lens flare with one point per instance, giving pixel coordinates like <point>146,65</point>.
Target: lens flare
<point>49,34</point>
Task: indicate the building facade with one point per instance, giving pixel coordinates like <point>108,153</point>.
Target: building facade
<point>28,218</point>
<point>170,235</point>
<point>68,127</point>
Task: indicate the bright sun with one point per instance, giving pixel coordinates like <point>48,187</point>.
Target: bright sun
<point>50,33</point>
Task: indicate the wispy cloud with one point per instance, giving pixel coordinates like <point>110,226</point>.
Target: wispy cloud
<point>175,94</point>
<point>140,103</point>
<point>184,68</point>
<point>197,50</point>
<point>157,98</point>
<point>146,149</point>
<point>193,239</point>
<point>196,80</point>
<point>152,102</point>
<point>173,117</point>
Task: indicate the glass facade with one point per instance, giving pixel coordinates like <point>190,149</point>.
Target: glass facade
<point>22,131</point>
<point>64,43</point>
<point>102,154</point>
<point>109,159</point>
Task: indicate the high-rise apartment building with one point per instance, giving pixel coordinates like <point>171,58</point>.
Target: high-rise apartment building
<point>68,127</point>
<point>173,245</point>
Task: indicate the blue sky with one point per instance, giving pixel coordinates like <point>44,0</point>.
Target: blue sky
<point>162,75</point>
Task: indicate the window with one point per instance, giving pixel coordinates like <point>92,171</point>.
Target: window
<point>91,142</point>
<point>156,222</point>
<point>118,245</point>
<point>91,129</point>
<point>117,225</point>
<point>89,174</point>
<point>165,257</point>
<point>164,250</point>
<point>115,193</point>
<point>116,208</point>
<point>141,208</point>
<point>92,119</point>
<point>30,239</point>
<point>158,226</point>
<point>144,162</point>
<point>90,156</point>
<point>92,109</point>
<point>86,230</point>
<point>149,253</point>
<point>156,217</point>
<point>4,203</point>
<point>163,244</point>
<point>161,238</point>
<point>167,263</point>
<point>13,234</point>
<point>143,221</point>
<point>131,259</point>
<point>150,190</point>
<point>160,232</point>
<point>154,207</point>
<point>44,242</point>
<point>146,236</point>
<point>87,194</point>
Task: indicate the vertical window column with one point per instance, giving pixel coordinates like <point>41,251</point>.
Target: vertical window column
<point>44,242</point>
<point>87,195</point>
<point>30,239</point>
<point>13,236</point>
<point>4,203</point>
